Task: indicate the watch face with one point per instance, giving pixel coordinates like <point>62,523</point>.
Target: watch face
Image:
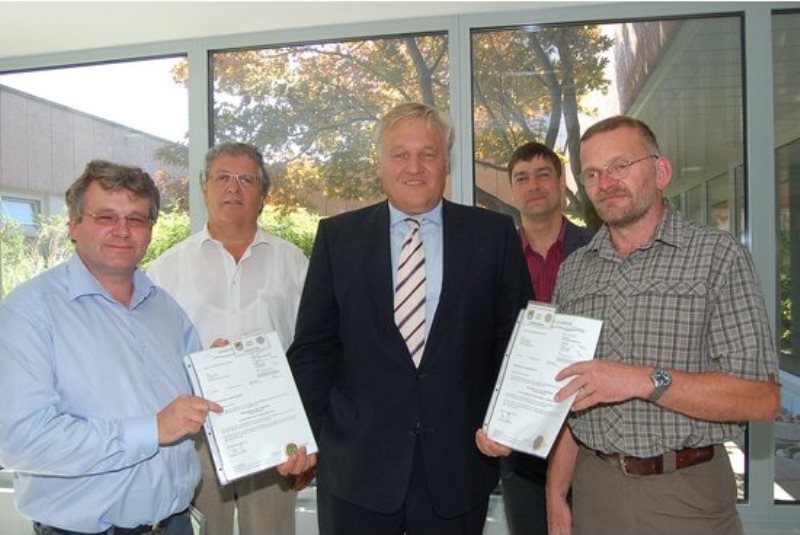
<point>661,378</point>
<point>661,381</point>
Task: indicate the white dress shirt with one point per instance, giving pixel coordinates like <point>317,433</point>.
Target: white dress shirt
<point>225,299</point>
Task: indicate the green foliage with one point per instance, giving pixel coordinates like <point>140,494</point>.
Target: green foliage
<point>311,108</point>
<point>528,84</point>
<point>171,228</point>
<point>785,282</point>
<point>298,226</point>
<point>25,257</point>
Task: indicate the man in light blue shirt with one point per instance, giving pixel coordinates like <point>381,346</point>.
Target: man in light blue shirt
<point>96,408</point>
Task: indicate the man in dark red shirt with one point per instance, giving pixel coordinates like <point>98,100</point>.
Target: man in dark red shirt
<point>538,189</point>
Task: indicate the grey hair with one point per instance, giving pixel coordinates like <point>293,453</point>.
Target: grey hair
<point>113,177</point>
<point>416,110</point>
<point>237,149</point>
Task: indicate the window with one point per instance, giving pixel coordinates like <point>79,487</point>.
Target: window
<point>680,70</point>
<point>548,83</point>
<point>311,109</point>
<point>52,122</point>
<point>25,212</point>
<point>786,72</point>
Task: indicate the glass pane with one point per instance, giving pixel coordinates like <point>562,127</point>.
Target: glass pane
<point>52,122</point>
<point>548,83</point>
<point>719,195</point>
<point>311,109</point>
<point>694,203</point>
<point>786,72</point>
<point>22,211</point>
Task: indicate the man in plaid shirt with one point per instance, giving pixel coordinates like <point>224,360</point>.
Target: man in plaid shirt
<point>685,356</point>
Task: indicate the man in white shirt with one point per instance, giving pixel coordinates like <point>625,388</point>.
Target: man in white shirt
<point>232,278</point>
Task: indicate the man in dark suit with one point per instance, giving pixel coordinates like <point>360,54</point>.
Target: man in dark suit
<point>401,329</point>
<point>538,190</point>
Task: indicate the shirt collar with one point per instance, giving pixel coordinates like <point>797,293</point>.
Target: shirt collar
<point>434,215</point>
<point>671,230</point>
<point>260,237</point>
<point>81,282</point>
<point>562,234</point>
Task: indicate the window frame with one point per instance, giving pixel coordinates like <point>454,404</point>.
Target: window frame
<point>35,203</point>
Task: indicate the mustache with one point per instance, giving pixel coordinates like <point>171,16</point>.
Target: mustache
<point>613,192</point>
<point>534,194</point>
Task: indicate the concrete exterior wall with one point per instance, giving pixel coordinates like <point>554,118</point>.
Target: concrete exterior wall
<point>44,147</point>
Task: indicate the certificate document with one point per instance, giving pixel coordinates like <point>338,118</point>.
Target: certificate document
<point>522,414</point>
<point>263,421</point>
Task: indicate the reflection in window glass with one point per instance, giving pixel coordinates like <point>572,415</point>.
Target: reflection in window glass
<point>23,211</point>
<point>683,77</point>
<point>718,203</point>
<point>677,202</point>
<point>311,109</point>
<point>52,122</point>
<point>694,203</point>
<point>786,71</point>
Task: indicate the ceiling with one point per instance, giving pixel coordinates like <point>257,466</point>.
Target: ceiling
<point>29,28</point>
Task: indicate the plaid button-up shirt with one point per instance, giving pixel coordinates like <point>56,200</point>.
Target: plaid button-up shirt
<point>687,300</point>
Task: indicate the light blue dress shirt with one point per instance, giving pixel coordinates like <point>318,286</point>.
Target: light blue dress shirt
<point>431,236</point>
<point>82,379</point>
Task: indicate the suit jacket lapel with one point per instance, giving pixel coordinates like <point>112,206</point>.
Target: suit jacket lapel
<point>455,248</point>
<point>379,277</point>
<point>378,261</point>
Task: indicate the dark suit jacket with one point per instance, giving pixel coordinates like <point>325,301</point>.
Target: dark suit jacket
<point>533,467</point>
<point>367,403</point>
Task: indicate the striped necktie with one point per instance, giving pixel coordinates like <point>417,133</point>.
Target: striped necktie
<point>409,292</point>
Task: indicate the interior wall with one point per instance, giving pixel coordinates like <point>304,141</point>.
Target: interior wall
<point>31,28</point>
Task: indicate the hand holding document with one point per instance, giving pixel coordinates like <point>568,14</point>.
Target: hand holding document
<point>263,422</point>
<point>522,413</point>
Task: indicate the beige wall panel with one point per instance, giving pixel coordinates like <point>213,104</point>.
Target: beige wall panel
<point>13,142</point>
<point>40,141</point>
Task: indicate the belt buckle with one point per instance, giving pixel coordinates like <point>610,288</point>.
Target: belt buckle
<point>623,465</point>
<point>157,527</point>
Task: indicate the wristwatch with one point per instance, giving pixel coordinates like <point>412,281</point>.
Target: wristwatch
<point>661,381</point>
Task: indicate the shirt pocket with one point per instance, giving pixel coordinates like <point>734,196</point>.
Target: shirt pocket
<point>667,323</point>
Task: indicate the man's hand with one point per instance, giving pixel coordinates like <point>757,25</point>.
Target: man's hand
<point>603,381</point>
<point>489,447</point>
<point>559,517</point>
<point>220,342</point>
<point>184,416</point>
<point>301,466</point>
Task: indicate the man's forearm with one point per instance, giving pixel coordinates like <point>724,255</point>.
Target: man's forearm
<point>561,465</point>
<point>721,397</point>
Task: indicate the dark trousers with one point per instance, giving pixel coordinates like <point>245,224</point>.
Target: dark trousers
<point>415,517</point>
<point>524,503</point>
<point>179,524</point>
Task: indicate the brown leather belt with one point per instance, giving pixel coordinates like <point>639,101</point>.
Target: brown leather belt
<point>645,466</point>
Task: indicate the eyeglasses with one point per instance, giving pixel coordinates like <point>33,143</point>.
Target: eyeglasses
<point>616,170</point>
<point>112,220</point>
<point>245,181</point>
